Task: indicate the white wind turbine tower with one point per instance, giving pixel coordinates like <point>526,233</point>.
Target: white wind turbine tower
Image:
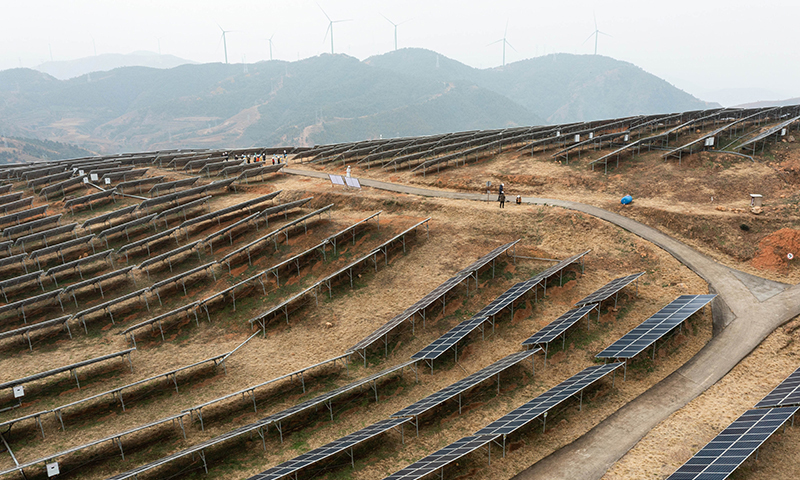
<point>330,26</point>
<point>505,42</point>
<point>596,34</point>
<point>270,45</point>
<point>225,41</point>
<point>395,28</point>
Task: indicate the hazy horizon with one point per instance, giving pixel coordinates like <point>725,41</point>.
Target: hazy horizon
<point>709,49</point>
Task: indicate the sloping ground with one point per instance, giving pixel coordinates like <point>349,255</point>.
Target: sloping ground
<point>460,232</point>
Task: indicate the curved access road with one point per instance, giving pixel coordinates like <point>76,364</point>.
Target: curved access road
<point>750,315</point>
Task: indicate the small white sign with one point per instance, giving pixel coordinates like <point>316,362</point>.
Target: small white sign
<point>336,179</point>
<point>74,169</point>
<point>107,181</point>
<point>627,137</point>
<point>94,177</point>
<point>85,180</point>
<point>558,133</point>
<point>591,135</point>
<point>577,138</point>
<point>783,132</point>
<point>80,172</point>
<point>19,391</point>
<point>52,469</point>
<point>710,142</point>
<point>352,182</point>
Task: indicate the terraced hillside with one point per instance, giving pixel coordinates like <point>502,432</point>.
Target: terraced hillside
<point>274,314</point>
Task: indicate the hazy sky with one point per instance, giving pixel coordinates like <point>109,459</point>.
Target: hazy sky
<point>701,46</point>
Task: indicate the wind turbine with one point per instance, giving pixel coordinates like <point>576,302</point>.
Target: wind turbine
<point>395,28</point>
<point>270,45</point>
<point>225,41</point>
<point>330,26</point>
<point>596,34</point>
<point>505,42</point>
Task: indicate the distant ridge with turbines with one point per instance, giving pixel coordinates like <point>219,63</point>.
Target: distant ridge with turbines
<point>324,99</point>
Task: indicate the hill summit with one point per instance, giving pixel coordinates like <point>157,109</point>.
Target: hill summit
<point>323,99</point>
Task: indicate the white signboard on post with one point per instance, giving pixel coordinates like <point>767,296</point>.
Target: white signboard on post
<point>19,391</point>
<point>710,142</point>
<point>52,469</point>
<point>94,177</point>
<point>352,182</point>
<point>107,181</point>
<point>577,138</point>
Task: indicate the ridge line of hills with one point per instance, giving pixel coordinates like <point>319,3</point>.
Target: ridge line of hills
<point>324,99</point>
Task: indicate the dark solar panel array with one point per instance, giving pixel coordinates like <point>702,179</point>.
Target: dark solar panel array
<point>526,413</point>
<point>108,216</point>
<point>43,235</point>
<point>326,451</point>
<point>183,207</point>
<point>559,325</point>
<point>48,373</point>
<point>464,384</point>
<point>785,394</point>
<point>233,208</point>
<point>124,226</point>
<point>60,246</point>
<point>101,278</point>
<point>171,253</point>
<point>609,289</point>
<point>442,458</point>
<point>30,226</point>
<point>19,216</point>
<point>728,450</point>
<point>89,198</point>
<point>29,301</point>
<point>436,348</point>
<point>655,327</point>
<point>61,185</point>
<point>16,205</point>
<point>91,258</point>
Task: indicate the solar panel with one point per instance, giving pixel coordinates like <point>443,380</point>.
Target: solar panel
<point>655,327</point>
<point>31,300</point>
<point>463,385</point>
<point>484,260</point>
<point>182,208</point>
<point>233,208</point>
<point>138,183</point>
<point>728,450</point>
<point>18,216</point>
<point>31,225</point>
<point>61,186</point>
<point>785,394</point>
<point>559,325</point>
<point>526,413</point>
<point>170,185</point>
<point>171,253</point>
<point>76,263</point>
<point>11,197</point>
<point>442,458</point>
<point>609,289</point>
<point>16,205</point>
<point>89,198</point>
<point>34,255</point>
<point>44,235</point>
<point>449,339</point>
<point>326,451</point>
<point>67,368</point>
<point>108,216</point>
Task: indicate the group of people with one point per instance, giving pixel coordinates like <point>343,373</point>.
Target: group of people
<point>501,196</point>
<point>255,158</point>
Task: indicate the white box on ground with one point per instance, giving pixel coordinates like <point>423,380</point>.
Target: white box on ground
<point>352,182</point>
<point>52,469</point>
<point>19,391</point>
<point>94,177</point>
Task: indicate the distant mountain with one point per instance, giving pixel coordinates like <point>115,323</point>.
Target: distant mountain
<point>559,87</point>
<point>324,99</point>
<point>66,69</point>
<point>771,103</point>
<point>18,150</point>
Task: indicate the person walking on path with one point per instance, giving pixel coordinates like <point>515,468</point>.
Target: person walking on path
<point>501,197</point>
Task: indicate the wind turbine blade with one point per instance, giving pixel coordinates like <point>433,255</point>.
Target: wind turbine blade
<point>604,33</point>
<point>273,36</point>
<point>323,12</point>
<point>387,19</point>
<point>330,25</point>
<point>512,47</point>
<point>506,30</point>
<point>340,21</point>
<point>405,21</point>
<point>220,27</point>
<point>595,20</point>
<point>588,38</point>
<point>498,41</point>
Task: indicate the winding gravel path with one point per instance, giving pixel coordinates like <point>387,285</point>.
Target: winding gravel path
<point>753,310</point>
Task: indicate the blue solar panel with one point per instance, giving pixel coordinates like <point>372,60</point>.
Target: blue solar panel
<point>728,450</point>
<point>446,341</point>
<point>463,385</point>
<point>442,458</point>
<point>337,446</point>
<point>609,289</point>
<point>559,325</point>
<point>655,327</point>
<point>785,394</point>
<point>531,410</point>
